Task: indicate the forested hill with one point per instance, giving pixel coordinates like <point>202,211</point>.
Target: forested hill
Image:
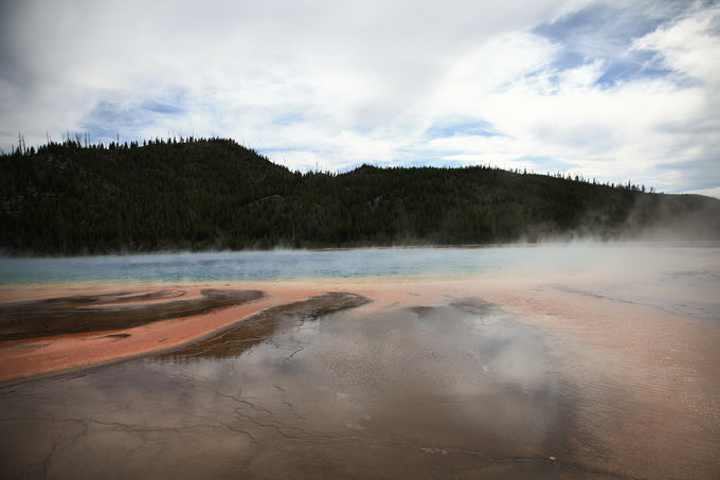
<point>215,194</point>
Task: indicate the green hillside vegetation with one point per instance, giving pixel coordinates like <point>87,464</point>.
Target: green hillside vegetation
<point>196,194</point>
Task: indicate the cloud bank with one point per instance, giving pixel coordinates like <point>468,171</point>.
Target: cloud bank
<point>603,89</point>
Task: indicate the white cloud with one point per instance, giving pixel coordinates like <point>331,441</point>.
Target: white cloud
<point>341,83</point>
<point>617,133</point>
<point>688,45</point>
<point>710,192</point>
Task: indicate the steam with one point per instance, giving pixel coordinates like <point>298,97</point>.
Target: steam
<point>651,217</point>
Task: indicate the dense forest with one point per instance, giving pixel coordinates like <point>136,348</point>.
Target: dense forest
<point>194,194</point>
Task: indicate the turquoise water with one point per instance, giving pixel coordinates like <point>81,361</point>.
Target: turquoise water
<point>250,266</point>
<point>282,265</point>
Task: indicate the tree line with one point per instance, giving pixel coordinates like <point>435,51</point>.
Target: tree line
<point>74,198</point>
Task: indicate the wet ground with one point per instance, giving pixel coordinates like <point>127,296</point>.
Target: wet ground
<point>458,389</point>
<point>553,378</point>
<point>92,313</point>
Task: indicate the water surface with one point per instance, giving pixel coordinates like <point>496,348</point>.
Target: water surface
<point>282,265</point>
<point>458,389</point>
<point>590,362</point>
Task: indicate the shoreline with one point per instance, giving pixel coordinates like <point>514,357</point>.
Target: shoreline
<point>561,241</point>
<point>540,302</point>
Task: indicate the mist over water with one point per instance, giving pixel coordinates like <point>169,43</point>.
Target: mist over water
<point>433,263</point>
<point>263,266</point>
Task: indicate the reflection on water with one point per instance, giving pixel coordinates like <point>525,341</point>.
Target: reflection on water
<point>456,389</point>
<point>607,369</point>
<point>232,342</point>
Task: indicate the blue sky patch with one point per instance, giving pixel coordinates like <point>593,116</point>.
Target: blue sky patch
<point>162,108</point>
<point>609,27</point>
<point>108,118</point>
<point>480,128</point>
<point>607,33</point>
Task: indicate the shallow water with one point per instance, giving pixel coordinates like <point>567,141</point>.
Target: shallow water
<point>602,365</point>
<point>458,389</point>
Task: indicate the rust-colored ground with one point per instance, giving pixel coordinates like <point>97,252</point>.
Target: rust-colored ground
<point>38,355</point>
<point>658,369</point>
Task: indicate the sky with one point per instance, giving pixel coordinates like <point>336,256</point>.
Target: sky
<point>612,90</point>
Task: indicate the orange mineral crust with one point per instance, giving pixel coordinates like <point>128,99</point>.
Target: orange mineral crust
<point>36,355</point>
<point>597,377</point>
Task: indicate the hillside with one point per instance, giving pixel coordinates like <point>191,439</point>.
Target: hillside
<point>216,194</point>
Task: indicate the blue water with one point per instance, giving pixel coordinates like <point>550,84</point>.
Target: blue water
<point>249,266</point>
<point>283,265</point>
